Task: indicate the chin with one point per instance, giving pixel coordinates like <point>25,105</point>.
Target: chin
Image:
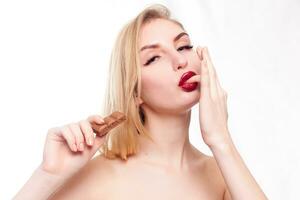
<point>187,102</point>
<point>192,97</point>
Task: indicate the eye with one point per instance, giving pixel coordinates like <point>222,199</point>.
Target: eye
<point>185,47</point>
<point>151,60</point>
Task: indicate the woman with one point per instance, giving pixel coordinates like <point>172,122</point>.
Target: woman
<point>156,77</point>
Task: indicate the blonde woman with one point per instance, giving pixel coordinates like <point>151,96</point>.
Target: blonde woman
<point>156,77</point>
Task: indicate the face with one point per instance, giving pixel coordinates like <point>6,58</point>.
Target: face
<point>165,54</point>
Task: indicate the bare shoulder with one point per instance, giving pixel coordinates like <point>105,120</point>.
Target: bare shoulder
<point>91,182</point>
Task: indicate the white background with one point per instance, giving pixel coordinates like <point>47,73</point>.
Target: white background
<point>54,62</point>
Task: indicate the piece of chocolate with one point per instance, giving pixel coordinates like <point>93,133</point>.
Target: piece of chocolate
<point>111,122</point>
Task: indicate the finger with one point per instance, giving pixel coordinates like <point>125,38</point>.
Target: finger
<point>95,119</point>
<point>214,74</point>
<point>220,92</point>
<point>199,53</point>
<point>211,72</point>
<point>204,81</point>
<point>213,69</point>
<point>223,94</point>
<point>219,88</point>
<point>226,110</point>
<point>69,137</point>
<point>196,78</point>
<point>78,136</point>
<point>87,132</point>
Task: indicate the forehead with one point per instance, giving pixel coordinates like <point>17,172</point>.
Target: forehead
<point>158,30</point>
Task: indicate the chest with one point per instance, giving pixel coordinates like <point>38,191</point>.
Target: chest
<point>148,186</point>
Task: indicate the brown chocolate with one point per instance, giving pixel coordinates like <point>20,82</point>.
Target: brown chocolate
<point>111,122</point>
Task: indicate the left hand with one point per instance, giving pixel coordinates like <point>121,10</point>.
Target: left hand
<point>213,102</point>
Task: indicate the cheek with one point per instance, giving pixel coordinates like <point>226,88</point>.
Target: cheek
<point>156,88</point>
<point>152,83</point>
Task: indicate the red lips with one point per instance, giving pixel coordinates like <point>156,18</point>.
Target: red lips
<point>188,87</point>
<point>185,77</point>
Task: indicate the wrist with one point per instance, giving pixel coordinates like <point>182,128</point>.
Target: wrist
<point>223,143</point>
<point>225,147</point>
<point>48,177</point>
<point>40,185</point>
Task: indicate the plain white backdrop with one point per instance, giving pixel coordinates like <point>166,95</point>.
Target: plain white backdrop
<point>54,59</point>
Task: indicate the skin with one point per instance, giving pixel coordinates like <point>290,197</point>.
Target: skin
<point>172,162</point>
<point>167,122</point>
<point>170,168</point>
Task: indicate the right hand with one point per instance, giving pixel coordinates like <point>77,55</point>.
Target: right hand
<point>68,148</point>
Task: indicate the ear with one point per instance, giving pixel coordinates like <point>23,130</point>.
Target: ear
<point>138,100</point>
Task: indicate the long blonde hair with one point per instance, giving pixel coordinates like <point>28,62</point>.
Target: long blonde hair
<point>124,86</point>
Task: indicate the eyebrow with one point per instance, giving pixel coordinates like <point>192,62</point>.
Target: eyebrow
<point>156,45</point>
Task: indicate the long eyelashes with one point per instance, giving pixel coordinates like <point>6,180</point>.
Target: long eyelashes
<point>151,60</point>
<point>187,47</point>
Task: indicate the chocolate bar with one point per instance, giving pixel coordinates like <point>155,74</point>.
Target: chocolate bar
<point>111,122</point>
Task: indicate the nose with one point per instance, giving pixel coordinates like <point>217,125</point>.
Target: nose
<point>179,60</point>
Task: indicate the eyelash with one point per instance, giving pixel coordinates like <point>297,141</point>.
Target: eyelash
<point>180,48</point>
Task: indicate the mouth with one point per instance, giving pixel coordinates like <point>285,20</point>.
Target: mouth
<point>186,76</point>
<point>187,87</point>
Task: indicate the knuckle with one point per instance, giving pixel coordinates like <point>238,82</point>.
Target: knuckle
<point>65,128</point>
<point>89,118</point>
<point>82,123</point>
<point>98,117</point>
<point>71,128</point>
<point>90,131</point>
<point>67,135</point>
<point>52,129</point>
<point>77,131</point>
<point>93,116</point>
<point>86,127</point>
<point>65,132</point>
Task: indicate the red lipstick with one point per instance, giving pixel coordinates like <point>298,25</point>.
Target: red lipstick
<point>187,86</point>
<point>185,77</point>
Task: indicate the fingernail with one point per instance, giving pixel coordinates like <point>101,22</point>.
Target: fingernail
<point>90,140</point>
<point>81,148</point>
<point>74,147</point>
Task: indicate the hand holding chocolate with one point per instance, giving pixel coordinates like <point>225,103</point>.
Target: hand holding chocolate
<point>111,122</point>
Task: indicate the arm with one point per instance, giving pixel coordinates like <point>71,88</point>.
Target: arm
<point>40,186</point>
<point>213,117</point>
<point>67,149</point>
<point>239,181</point>
<point>91,182</point>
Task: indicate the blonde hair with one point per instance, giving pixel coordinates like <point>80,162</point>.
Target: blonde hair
<point>124,86</point>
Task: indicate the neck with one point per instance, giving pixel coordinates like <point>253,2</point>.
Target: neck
<point>171,146</point>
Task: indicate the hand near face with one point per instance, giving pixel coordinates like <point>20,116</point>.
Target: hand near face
<point>213,102</point>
